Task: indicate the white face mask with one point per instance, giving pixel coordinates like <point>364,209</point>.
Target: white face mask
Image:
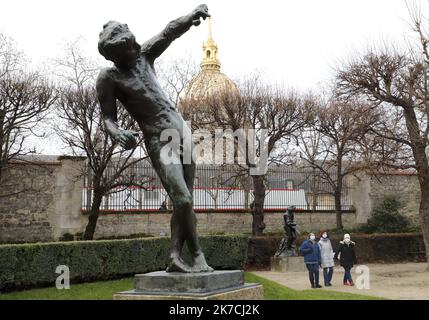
<point>324,236</point>
<point>312,238</point>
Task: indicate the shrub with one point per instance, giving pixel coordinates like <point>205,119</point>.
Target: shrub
<point>66,237</point>
<point>31,265</point>
<point>392,248</point>
<point>386,218</point>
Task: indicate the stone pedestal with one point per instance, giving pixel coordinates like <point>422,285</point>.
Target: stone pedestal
<point>217,285</point>
<point>288,264</point>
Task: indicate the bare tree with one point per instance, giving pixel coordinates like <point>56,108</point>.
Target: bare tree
<point>11,58</point>
<point>332,147</point>
<point>81,128</point>
<point>310,146</point>
<point>175,76</point>
<point>378,151</point>
<point>25,98</point>
<point>267,118</point>
<point>399,80</point>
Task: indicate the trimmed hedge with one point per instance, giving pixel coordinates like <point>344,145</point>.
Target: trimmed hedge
<point>31,265</point>
<point>385,247</point>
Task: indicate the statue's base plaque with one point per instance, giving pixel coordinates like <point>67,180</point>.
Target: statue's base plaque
<point>217,285</point>
<point>288,264</point>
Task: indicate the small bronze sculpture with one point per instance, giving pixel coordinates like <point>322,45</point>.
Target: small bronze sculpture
<point>287,248</point>
<point>132,80</point>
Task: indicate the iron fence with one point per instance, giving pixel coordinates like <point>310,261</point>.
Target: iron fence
<point>220,188</point>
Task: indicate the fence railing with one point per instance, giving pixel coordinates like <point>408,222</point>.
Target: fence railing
<point>221,188</point>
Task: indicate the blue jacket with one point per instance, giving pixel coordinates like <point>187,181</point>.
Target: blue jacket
<point>311,252</point>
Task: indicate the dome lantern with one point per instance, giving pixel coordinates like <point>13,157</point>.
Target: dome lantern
<point>210,60</point>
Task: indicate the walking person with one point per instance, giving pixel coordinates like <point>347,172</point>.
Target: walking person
<point>311,251</point>
<point>347,254</point>
<point>327,254</point>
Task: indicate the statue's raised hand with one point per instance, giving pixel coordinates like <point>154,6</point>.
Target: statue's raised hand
<point>202,11</point>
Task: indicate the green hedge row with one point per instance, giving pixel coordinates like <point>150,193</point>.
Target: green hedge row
<point>382,247</point>
<point>31,265</point>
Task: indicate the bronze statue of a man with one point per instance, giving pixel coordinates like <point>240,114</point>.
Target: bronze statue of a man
<point>287,247</point>
<point>290,228</point>
<point>132,80</point>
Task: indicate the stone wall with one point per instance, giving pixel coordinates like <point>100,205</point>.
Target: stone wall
<point>366,192</point>
<point>46,204</point>
<point>404,187</point>
<point>110,225</point>
<point>309,222</point>
<point>369,190</point>
<point>40,201</point>
<point>26,193</point>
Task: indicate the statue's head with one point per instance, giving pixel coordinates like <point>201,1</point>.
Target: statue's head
<point>118,44</point>
<point>290,211</point>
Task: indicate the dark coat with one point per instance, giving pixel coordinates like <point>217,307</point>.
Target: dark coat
<point>311,252</point>
<point>347,254</point>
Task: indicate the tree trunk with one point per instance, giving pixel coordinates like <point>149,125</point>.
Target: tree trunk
<point>424,217</point>
<point>93,215</point>
<point>338,211</point>
<point>418,145</point>
<point>423,175</point>
<point>258,224</point>
<point>338,191</point>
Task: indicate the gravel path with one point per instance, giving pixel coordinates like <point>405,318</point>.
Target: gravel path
<point>392,281</point>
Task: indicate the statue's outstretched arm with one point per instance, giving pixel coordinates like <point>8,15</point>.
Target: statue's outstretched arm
<point>155,46</point>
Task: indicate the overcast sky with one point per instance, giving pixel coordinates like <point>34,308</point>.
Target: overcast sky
<point>295,43</point>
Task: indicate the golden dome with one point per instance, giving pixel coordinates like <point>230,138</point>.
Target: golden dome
<point>210,81</point>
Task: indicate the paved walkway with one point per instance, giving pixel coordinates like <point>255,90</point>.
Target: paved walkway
<point>392,281</point>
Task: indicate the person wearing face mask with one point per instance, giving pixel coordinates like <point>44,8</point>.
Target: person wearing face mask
<point>311,251</point>
<point>346,251</point>
<point>327,254</point>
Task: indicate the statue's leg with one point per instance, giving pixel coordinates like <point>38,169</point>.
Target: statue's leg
<point>173,181</point>
<point>200,264</point>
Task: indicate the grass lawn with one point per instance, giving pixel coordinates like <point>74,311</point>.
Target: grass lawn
<point>104,291</point>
